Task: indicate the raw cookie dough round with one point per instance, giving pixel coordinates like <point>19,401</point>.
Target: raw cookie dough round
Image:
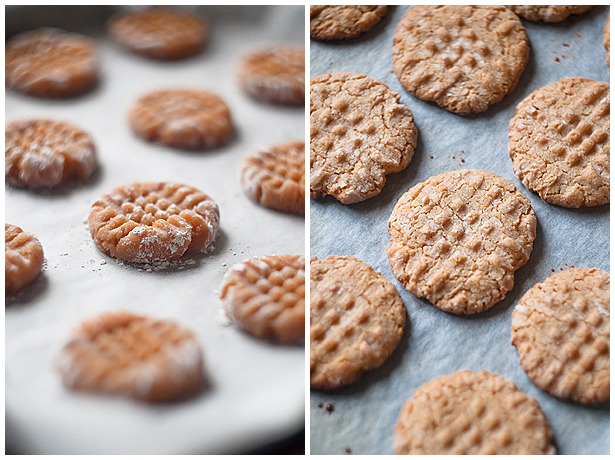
<point>23,259</point>
<point>337,22</point>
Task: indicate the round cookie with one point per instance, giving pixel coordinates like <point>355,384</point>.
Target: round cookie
<point>153,222</point>
<point>357,319</point>
<point>47,154</point>
<point>337,22</point>
<point>159,33</point>
<point>560,142</point>
<point>275,75</point>
<point>472,413</point>
<point>359,133</point>
<point>463,58</point>
<point>275,177</point>
<point>266,297</point>
<point>548,13</point>
<point>51,63</point>
<point>606,39</point>
<point>458,238</point>
<point>132,355</point>
<point>184,119</point>
<point>561,329</point>
<point>23,259</point>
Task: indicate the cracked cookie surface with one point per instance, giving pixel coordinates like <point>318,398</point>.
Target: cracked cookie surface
<point>548,13</point>
<point>337,22</point>
<point>23,259</point>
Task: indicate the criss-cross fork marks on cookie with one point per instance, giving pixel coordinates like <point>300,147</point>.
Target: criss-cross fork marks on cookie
<point>23,258</point>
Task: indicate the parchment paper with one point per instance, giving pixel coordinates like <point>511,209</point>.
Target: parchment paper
<point>435,343</point>
<point>256,391</point>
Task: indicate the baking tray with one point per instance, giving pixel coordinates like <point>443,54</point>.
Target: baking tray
<point>256,391</point>
<point>360,419</point>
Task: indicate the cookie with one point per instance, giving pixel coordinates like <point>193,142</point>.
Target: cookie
<point>463,58</point>
<point>472,413</point>
<point>275,75</point>
<point>23,259</point>
<point>132,355</point>
<point>561,329</point>
<point>359,133</point>
<point>266,297</point>
<point>50,63</point>
<point>153,222</point>
<point>560,142</point>
<point>338,22</point>
<point>458,238</point>
<point>47,154</point>
<point>606,40</point>
<point>159,33</point>
<point>357,319</point>
<point>275,177</point>
<point>548,13</point>
<point>183,119</point>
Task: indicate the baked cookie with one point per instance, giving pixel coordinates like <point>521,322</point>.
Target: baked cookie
<point>153,222</point>
<point>359,133</point>
<point>275,177</point>
<point>561,329</point>
<point>458,238</point>
<point>181,118</point>
<point>337,22</point>
<point>606,40</point>
<point>49,62</point>
<point>132,355</point>
<point>23,259</point>
<point>357,319</point>
<point>266,297</point>
<point>159,33</point>
<point>560,142</point>
<point>47,154</point>
<point>548,13</point>
<point>472,413</point>
<point>463,58</point>
<point>275,75</point>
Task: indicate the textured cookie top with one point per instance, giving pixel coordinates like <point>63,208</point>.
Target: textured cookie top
<point>336,22</point>
<point>357,319</point>
<point>464,58</point>
<point>561,328</point>
<point>458,238</point>
<point>606,39</point>
<point>560,142</point>
<point>23,258</point>
<point>472,413</point>
<point>359,133</point>
<point>548,13</point>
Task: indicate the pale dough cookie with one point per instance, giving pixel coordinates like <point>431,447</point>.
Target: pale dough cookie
<point>359,133</point>
<point>132,355</point>
<point>159,33</point>
<point>50,63</point>
<point>275,75</point>
<point>464,58</point>
<point>472,413</point>
<point>275,177</point>
<point>266,297</point>
<point>47,154</point>
<point>561,330</point>
<point>23,259</point>
<point>560,142</point>
<point>606,39</point>
<point>337,22</point>
<point>548,13</point>
<point>458,238</point>
<point>357,319</point>
<point>185,119</point>
<point>153,222</point>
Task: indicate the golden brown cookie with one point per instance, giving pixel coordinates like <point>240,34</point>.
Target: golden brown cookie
<point>464,58</point>
<point>184,119</point>
<point>153,222</point>
<point>47,154</point>
<point>357,319</point>
<point>275,177</point>
<point>458,238</point>
<point>159,33</point>
<point>472,413</point>
<point>23,259</point>
<point>606,40</point>
<point>132,355</point>
<point>359,133</point>
<point>561,330</point>
<point>560,142</point>
<point>266,297</point>
<point>548,13</point>
<point>337,22</point>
